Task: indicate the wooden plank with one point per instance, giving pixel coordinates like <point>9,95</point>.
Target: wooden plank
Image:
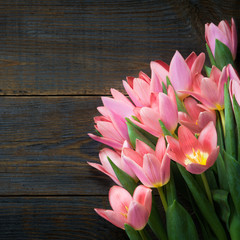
<point>85,47</point>
<point>59,218</point>
<point>44,146</point>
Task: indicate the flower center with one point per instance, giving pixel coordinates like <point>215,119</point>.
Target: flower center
<point>196,157</point>
<point>125,214</point>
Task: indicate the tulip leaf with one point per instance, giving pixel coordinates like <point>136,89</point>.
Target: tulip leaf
<point>155,222</point>
<point>164,89</point>
<point>236,108</point>
<point>233,173</point>
<point>230,141</point>
<point>220,138</point>
<point>223,55</point>
<point>180,105</point>
<point>222,177</point>
<point>210,55</point>
<point>170,188</point>
<point>221,198</point>
<point>207,70</point>
<point>202,202</point>
<point>234,227</point>
<point>179,223</point>
<point>127,181</point>
<point>135,134</point>
<point>166,132</point>
<point>146,134</point>
<point>132,233</point>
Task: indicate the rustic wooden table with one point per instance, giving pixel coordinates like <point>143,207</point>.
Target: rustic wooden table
<point>56,58</point>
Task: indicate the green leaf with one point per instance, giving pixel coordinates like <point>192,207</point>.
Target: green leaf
<point>234,227</point>
<point>233,175</point>
<point>171,189</point>
<point>207,70</point>
<point>135,134</point>
<point>220,139</point>
<point>222,177</point>
<point>132,233</point>
<point>223,55</point>
<point>146,134</point>
<point>202,202</point>
<point>210,55</point>
<point>179,223</point>
<point>236,108</point>
<point>166,132</point>
<point>221,198</point>
<point>230,141</point>
<point>127,181</point>
<point>155,222</point>
<point>164,89</point>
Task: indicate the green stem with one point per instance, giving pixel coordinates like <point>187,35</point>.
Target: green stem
<point>163,199</point>
<point>207,189</point>
<point>223,121</point>
<point>143,235</point>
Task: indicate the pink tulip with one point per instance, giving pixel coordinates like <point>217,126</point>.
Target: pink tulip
<point>164,108</point>
<point>234,89</point>
<point>211,92</point>
<point>112,125</point>
<point>224,33</point>
<point>182,73</point>
<point>151,167</point>
<point>134,211</point>
<point>116,158</point>
<point>138,89</point>
<point>197,117</point>
<point>232,73</point>
<point>196,155</point>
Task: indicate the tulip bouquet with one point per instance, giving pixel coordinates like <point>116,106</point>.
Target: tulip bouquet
<point>178,132</point>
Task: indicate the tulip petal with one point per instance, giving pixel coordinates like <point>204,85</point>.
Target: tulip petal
<point>137,215</point>
<point>234,39</point>
<point>195,168</point>
<point>143,90</point>
<point>134,156</point>
<point>198,64</point>
<point>115,218</point>
<point>191,59</point>
<point>160,148</point>
<point>119,199</point>
<point>142,148</point>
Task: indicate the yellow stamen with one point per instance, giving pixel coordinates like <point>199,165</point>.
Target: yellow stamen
<point>125,214</point>
<point>219,107</point>
<point>196,157</point>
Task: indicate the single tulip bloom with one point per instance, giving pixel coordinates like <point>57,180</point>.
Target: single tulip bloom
<point>197,117</point>
<point>133,210</point>
<point>211,92</point>
<point>106,168</point>
<point>112,124</point>
<point>182,73</point>
<point>196,155</point>
<point>224,33</point>
<point>163,108</point>
<point>151,167</point>
<point>138,89</point>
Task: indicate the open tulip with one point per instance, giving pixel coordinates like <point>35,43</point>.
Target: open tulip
<point>116,158</point>
<point>181,72</point>
<point>197,117</point>
<point>224,33</point>
<point>151,167</point>
<point>134,211</point>
<point>138,89</point>
<point>112,124</point>
<point>196,155</point>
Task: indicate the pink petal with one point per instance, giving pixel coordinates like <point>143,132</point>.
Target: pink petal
<point>212,157</point>
<point>134,97</point>
<point>104,111</point>
<point>137,215</point>
<point>192,108</point>
<point>143,195</point>
<point>160,148</point>
<point>198,64</point>
<point>144,76</point>
<point>142,148</point>
<point>116,219</point>
<point>208,87</point>
<point>132,155</point>
<point>119,96</point>
<point>143,90</point>
<point>103,170</point>
<point>195,168</point>
<point>234,39</point>
<point>206,117</point>
<point>187,140</point>
<point>165,169</point>
<point>232,73</point>
<point>234,88</point>
<point>119,199</point>
<point>222,80</point>
<point>109,142</point>
<point>179,73</point>
<point>208,138</point>
<point>191,59</point>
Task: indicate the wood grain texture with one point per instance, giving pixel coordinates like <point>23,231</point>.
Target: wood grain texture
<point>55,218</point>
<point>45,147</point>
<point>85,47</point>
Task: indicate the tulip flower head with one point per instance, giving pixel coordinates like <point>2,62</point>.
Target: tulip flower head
<point>133,210</point>
<point>224,33</point>
<point>196,155</point>
<point>151,167</point>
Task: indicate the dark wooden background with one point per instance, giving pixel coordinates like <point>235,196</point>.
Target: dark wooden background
<point>56,58</point>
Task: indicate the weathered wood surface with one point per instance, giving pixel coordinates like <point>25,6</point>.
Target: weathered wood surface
<point>85,47</point>
<point>72,47</point>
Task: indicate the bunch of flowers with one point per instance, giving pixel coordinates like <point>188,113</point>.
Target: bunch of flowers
<point>177,132</point>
